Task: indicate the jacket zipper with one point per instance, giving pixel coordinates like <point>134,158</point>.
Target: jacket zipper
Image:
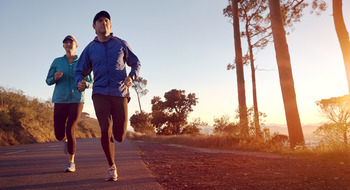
<point>69,79</point>
<point>108,74</point>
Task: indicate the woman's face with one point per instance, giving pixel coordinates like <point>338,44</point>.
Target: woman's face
<point>70,45</point>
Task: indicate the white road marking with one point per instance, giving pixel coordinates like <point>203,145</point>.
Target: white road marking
<point>16,152</point>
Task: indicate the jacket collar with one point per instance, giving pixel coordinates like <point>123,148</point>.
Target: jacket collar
<point>96,40</point>
<point>76,57</point>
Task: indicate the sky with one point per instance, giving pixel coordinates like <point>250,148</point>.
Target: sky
<point>182,44</point>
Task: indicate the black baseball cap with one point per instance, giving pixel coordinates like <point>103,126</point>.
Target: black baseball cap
<point>100,14</point>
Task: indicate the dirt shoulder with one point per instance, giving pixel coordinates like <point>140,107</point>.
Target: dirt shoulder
<point>179,167</point>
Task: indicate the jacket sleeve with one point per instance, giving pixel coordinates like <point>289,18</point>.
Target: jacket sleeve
<point>132,61</point>
<point>89,80</point>
<point>84,67</point>
<point>51,74</point>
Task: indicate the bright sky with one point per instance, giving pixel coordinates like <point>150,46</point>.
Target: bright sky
<point>182,44</point>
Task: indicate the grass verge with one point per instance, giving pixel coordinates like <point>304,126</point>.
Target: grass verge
<point>322,152</point>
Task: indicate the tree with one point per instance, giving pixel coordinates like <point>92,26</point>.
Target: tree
<point>285,74</point>
<point>192,128</point>
<point>337,111</point>
<point>343,36</point>
<point>141,122</point>
<point>170,116</point>
<point>224,126</point>
<point>139,86</point>
<point>253,14</point>
<point>242,106</point>
<point>252,122</point>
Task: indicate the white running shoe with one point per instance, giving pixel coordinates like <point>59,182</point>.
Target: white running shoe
<point>70,167</point>
<point>112,174</point>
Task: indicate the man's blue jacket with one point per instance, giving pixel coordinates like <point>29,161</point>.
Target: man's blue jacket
<point>107,61</point>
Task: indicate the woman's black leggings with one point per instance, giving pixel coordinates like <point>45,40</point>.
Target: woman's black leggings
<point>66,117</point>
<point>111,109</point>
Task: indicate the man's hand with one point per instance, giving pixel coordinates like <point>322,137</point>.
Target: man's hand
<point>128,82</point>
<point>82,85</point>
<point>58,75</point>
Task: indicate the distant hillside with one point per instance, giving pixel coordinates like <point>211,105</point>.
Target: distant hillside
<point>29,120</point>
<point>87,127</point>
<point>308,130</point>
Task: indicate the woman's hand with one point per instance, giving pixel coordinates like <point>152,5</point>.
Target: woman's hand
<point>82,85</point>
<point>58,75</point>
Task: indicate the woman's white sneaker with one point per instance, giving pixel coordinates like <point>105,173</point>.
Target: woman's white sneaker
<point>70,167</point>
<point>112,174</point>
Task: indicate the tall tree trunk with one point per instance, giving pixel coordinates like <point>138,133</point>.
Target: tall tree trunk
<point>285,74</point>
<point>343,36</point>
<point>255,100</point>
<point>239,70</point>
<point>345,138</point>
<point>345,133</point>
<point>138,98</point>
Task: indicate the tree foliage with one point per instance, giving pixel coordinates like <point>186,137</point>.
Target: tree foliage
<point>252,122</point>
<point>141,122</point>
<point>193,127</point>
<point>337,111</point>
<point>170,116</point>
<point>223,125</point>
<point>254,14</point>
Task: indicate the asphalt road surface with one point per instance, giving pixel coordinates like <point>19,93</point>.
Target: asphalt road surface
<point>41,166</point>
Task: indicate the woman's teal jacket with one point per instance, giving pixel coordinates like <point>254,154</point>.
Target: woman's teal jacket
<point>65,90</point>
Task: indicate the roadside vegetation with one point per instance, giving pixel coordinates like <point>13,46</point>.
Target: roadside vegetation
<point>26,120</point>
<point>262,20</point>
<point>277,143</point>
<point>168,123</point>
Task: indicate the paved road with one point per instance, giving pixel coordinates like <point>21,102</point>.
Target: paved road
<point>41,166</point>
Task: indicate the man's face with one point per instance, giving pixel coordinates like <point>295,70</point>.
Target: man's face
<point>69,45</point>
<point>102,26</point>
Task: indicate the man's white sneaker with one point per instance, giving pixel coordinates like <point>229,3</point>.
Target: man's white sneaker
<point>70,167</point>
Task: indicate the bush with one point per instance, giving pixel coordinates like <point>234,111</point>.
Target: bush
<point>141,122</point>
<point>27,120</point>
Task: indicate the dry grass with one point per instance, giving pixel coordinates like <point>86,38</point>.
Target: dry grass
<point>327,152</point>
<point>222,142</point>
<point>28,133</point>
<point>195,141</point>
<point>335,152</point>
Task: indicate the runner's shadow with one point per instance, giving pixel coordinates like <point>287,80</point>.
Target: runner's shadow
<point>76,184</point>
<point>32,173</point>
